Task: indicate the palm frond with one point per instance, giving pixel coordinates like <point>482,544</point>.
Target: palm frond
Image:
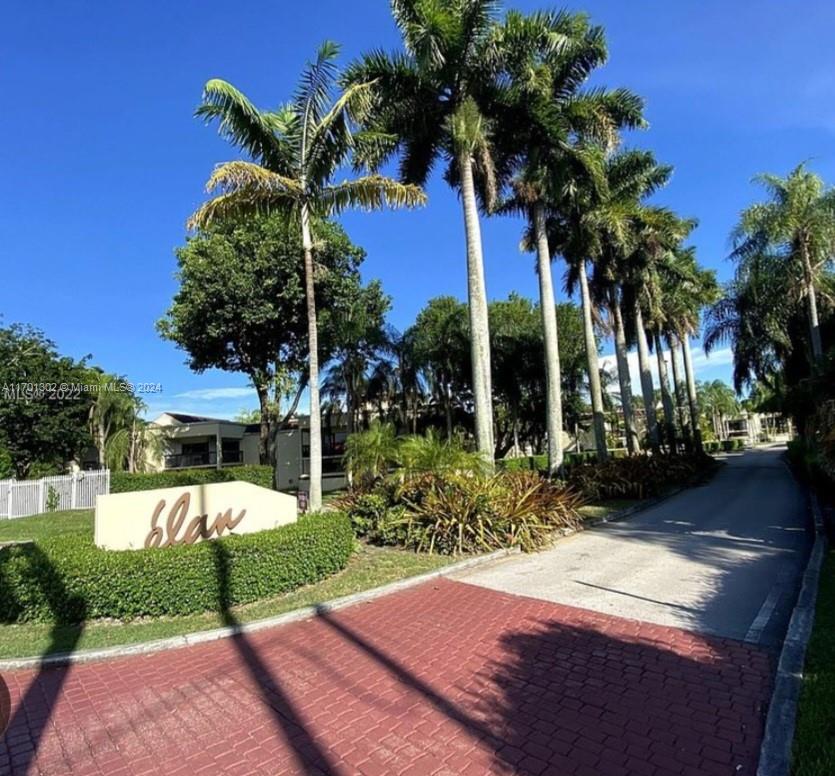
<point>314,89</point>
<point>244,188</point>
<point>371,192</point>
<point>242,123</point>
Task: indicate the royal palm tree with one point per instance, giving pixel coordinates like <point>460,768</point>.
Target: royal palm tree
<point>689,290</point>
<point>547,140</point>
<point>296,152</point>
<point>440,98</point>
<point>595,225</point>
<point>797,223</point>
<point>656,231</point>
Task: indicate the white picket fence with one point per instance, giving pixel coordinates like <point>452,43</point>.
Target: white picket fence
<point>20,498</point>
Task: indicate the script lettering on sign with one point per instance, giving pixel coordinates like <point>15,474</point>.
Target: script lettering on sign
<point>176,530</point>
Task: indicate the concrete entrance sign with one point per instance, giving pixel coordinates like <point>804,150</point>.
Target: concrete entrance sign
<point>171,516</point>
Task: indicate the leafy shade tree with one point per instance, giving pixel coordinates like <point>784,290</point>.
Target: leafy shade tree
<point>796,226</point>
<point>359,338</point>
<point>439,339</point>
<point>520,378</point>
<point>438,98</point>
<point>296,152</point>
<point>550,113</point>
<point>40,433</point>
<point>241,303</point>
<point>519,383</point>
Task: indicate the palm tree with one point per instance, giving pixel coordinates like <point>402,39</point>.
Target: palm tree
<point>439,98</point>
<point>655,232</point>
<point>551,114</point>
<point>797,223</point>
<point>717,400</point>
<point>595,225</point>
<point>688,290</point>
<point>296,152</point>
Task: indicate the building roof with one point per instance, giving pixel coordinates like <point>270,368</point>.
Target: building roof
<point>182,418</point>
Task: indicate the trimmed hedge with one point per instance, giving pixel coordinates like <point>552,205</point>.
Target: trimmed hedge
<point>723,446</point>
<point>124,482</point>
<point>540,462</point>
<point>68,579</point>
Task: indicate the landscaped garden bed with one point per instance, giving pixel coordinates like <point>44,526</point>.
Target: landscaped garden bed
<point>62,577</point>
<point>431,495</point>
<point>368,567</point>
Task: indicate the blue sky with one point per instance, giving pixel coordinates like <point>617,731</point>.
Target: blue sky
<point>103,161</point>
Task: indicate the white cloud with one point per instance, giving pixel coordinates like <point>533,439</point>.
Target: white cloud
<point>215,394</point>
<point>701,364</point>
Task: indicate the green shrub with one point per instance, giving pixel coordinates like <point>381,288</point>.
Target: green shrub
<point>125,482</point>
<point>463,512</point>
<point>472,513</point>
<point>68,579</point>
<point>370,454</point>
<point>430,454</point>
<point>641,476</point>
<point>539,463</point>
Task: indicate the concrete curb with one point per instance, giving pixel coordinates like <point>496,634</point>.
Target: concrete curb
<point>776,749</point>
<point>202,637</point>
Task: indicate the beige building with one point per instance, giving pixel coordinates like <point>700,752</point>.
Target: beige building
<point>194,441</point>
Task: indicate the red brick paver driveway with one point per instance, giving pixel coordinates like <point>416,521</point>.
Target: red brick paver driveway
<point>445,678</point>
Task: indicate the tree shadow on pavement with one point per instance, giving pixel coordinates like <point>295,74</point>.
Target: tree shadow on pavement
<point>27,726</point>
<point>309,755</point>
<point>559,698</point>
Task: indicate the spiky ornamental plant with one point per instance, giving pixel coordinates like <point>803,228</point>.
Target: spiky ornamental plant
<point>440,98</point>
<point>551,122</point>
<point>296,152</point>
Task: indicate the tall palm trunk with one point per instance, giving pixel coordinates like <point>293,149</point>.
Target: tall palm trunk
<point>599,419</point>
<point>313,380</point>
<point>678,388</point>
<point>553,395</point>
<point>691,393</point>
<point>646,377</point>
<point>666,396</point>
<point>812,302</point>
<point>479,322</point>
<point>633,444</point>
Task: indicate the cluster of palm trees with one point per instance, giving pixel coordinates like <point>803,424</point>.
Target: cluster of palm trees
<point>772,311</point>
<point>502,102</point>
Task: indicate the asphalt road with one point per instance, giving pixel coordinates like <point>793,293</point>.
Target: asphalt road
<point>725,558</point>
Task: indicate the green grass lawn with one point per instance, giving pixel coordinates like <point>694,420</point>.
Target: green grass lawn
<point>369,567</point>
<point>814,740</point>
<point>78,521</point>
